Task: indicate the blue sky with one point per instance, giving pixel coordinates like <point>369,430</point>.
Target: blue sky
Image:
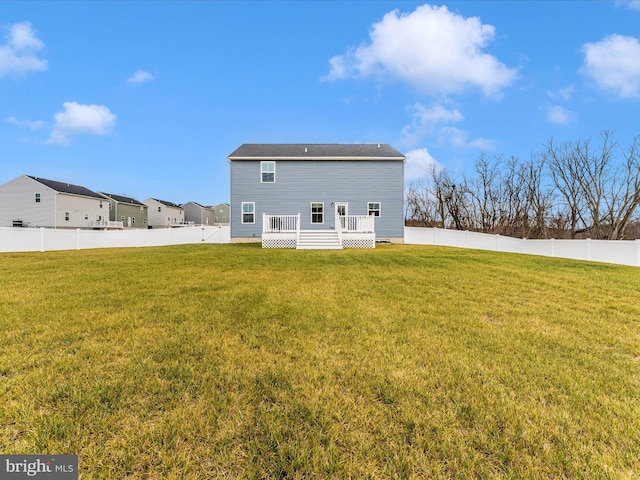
<point>147,99</point>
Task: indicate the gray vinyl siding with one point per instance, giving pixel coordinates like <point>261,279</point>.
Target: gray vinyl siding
<point>298,183</point>
<point>139,218</point>
<point>198,214</point>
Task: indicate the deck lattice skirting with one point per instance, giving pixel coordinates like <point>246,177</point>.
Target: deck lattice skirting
<point>353,231</point>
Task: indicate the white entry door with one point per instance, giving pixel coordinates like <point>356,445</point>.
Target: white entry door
<point>342,210</point>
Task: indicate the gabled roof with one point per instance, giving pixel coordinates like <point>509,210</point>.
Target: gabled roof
<point>122,199</point>
<point>316,151</point>
<point>194,203</point>
<point>167,204</point>
<point>67,188</point>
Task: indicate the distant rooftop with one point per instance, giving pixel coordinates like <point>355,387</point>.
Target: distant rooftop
<point>166,203</point>
<point>316,151</point>
<point>67,188</point>
<point>122,199</point>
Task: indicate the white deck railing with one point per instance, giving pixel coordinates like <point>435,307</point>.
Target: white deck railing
<point>356,223</point>
<point>343,224</point>
<point>106,224</point>
<point>280,223</point>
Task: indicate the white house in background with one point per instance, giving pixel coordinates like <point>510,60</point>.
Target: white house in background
<point>222,212</point>
<point>198,214</point>
<point>29,201</point>
<point>163,214</point>
<point>317,195</point>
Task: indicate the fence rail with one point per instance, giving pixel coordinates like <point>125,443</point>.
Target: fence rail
<point>621,252</point>
<point>47,239</point>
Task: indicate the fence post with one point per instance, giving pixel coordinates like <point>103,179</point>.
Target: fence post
<point>42,239</point>
<point>77,239</point>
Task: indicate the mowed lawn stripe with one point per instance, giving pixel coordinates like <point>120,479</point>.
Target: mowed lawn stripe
<point>230,361</point>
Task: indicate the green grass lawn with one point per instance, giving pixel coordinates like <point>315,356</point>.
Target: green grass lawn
<point>230,361</point>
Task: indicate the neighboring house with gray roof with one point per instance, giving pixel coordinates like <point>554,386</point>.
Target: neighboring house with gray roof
<point>163,214</point>
<point>129,211</point>
<point>317,195</point>
<point>39,202</point>
<point>198,214</point>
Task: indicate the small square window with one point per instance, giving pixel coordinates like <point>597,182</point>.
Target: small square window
<point>37,198</point>
<point>100,203</point>
<point>86,216</point>
<point>66,216</point>
<point>159,209</point>
<point>373,208</point>
<point>268,172</point>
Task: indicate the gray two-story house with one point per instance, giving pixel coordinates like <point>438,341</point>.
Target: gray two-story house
<point>129,211</point>
<point>317,195</point>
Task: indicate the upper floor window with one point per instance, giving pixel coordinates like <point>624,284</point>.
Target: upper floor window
<point>37,198</point>
<point>100,203</point>
<point>373,208</point>
<point>268,172</point>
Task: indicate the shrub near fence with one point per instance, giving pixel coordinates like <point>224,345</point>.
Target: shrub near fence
<point>47,239</point>
<point>622,252</point>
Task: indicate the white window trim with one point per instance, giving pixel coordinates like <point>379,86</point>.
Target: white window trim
<point>253,208</point>
<point>312,213</point>
<point>379,209</point>
<point>262,172</point>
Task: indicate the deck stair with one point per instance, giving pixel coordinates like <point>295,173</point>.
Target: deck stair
<point>319,240</point>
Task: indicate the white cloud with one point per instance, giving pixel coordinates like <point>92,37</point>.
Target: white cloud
<point>18,53</point>
<point>632,4</point>
<point>419,164</point>
<point>565,94</point>
<point>458,138</point>
<point>425,120</point>
<point>81,119</point>
<point>140,76</point>
<point>613,64</point>
<point>432,49</point>
<point>26,123</point>
<point>560,115</point>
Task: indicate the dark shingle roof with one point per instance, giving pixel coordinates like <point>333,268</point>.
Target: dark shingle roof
<point>122,199</point>
<point>67,188</point>
<point>167,204</point>
<point>316,151</point>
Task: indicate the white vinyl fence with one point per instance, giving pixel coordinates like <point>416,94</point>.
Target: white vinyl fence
<point>46,239</point>
<point>622,252</point>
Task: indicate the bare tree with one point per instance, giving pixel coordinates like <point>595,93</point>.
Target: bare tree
<point>623,196</point>
<point>565,172</point>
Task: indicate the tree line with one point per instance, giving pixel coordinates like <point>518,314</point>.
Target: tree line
<point>575,189</point>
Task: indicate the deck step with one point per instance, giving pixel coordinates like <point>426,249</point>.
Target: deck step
<point>319,240</point>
